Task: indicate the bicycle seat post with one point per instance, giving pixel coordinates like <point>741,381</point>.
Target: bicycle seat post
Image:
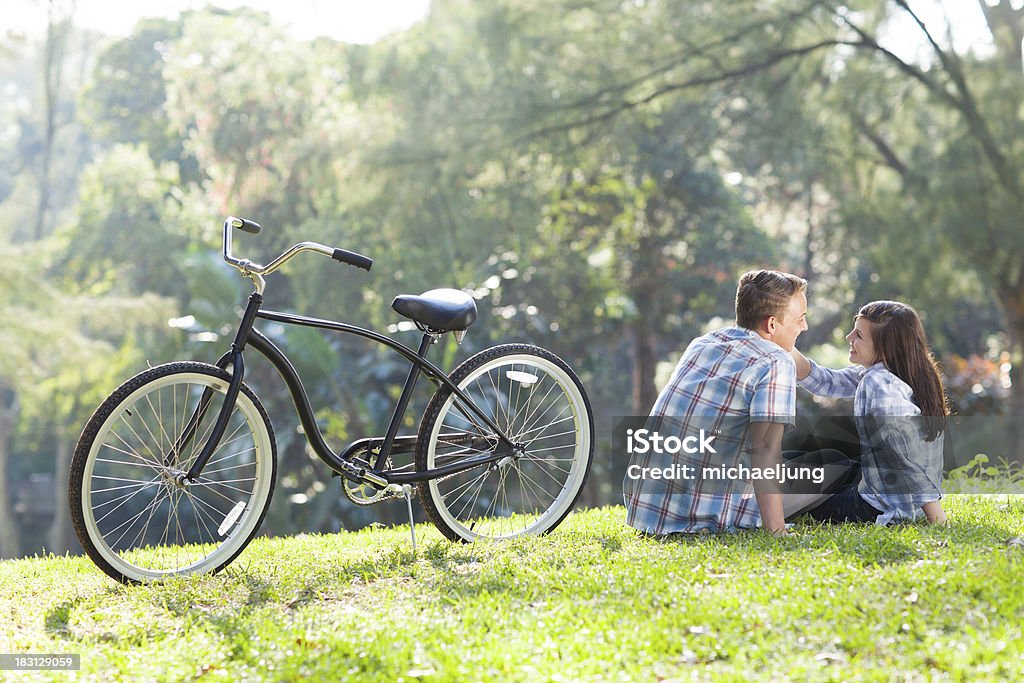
<point>403,400</point>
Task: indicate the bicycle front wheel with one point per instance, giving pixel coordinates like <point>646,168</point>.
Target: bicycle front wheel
<point>540,404</point>
<point>133,515</point>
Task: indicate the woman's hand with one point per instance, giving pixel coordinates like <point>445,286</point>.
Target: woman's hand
<point>934,512</point>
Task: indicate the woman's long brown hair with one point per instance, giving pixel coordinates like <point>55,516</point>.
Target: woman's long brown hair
<point>900,343</point>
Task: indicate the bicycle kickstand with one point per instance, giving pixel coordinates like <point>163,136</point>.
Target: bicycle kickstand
<point>407,492</point>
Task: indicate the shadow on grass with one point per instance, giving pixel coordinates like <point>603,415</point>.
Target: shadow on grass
<point>224,600</point>
<point>57,619</point>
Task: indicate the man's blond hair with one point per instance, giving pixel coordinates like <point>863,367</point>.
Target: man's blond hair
<point>762,294</point>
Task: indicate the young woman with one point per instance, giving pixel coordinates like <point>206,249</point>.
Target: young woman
<point>900,409</point>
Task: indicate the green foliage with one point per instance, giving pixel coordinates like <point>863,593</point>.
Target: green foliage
<point>125,103</point>
<point>978,476</point>
<point>125,238</point>
<point>60,383</point>
<point>595,173</point>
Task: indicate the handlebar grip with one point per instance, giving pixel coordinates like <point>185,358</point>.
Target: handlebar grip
<point>246,225</point>
<point>352,258</point>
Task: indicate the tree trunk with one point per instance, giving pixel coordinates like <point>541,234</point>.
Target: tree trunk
<point>59,537</point>
<point>644,365</point>
<point>10,536</point>
<point>1013,299</point>
<point>1016,405</point>
<point>58,30</point>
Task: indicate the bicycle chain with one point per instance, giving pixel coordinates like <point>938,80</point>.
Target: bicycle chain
<point>353,490</point>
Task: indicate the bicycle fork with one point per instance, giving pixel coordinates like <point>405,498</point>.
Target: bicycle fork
<point>235,359</point>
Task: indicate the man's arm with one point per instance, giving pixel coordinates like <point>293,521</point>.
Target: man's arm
<point>766,451</point>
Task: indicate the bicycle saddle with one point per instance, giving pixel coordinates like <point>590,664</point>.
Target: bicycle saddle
<point>444,310</point>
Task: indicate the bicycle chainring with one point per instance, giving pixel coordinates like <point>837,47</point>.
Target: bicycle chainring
<point>365,494</point>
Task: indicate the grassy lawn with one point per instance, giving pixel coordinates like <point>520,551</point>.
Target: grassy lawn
<point>592,601</point>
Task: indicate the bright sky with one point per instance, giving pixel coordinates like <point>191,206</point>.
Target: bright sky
<point>970,33</point>
<point>352,21</point>
<point>365,21</point>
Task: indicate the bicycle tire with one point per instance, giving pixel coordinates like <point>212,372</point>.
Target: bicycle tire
<point>527,391</point>
<point>133,520</point>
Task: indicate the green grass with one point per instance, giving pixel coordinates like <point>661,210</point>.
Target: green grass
<point>591,601</point>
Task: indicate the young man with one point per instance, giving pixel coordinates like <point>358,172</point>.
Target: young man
<point>727,404</point>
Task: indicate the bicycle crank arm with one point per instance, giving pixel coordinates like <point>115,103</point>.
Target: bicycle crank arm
<point>358,473</point>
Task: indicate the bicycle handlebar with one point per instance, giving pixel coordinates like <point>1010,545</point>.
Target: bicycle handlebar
<point>256,270</point>
<point>352,258</point>
<point>246,225</point>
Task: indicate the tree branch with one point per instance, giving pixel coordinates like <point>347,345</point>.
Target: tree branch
<point>1004,16</point>
<point>729,75</point>
<point>962,101</point>
<point>888,154</point>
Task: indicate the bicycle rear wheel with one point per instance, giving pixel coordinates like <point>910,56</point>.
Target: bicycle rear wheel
<point>132,516</point>
<point>537,400</point>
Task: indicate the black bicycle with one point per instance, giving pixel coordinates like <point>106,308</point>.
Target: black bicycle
<point>174,472</point>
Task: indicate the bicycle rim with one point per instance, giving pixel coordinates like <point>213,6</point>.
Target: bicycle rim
<point>139,520</point>
<point>540,407</point>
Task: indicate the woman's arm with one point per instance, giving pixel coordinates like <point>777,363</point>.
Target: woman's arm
<point>803,366</point>
<point>824,381</point>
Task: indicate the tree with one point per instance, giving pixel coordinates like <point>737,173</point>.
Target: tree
<point>61,355</point>
<point>132,227</point>
<point>662,231</point>
<point>58,31</point>
<point>925,151</point>
<point>126,101</point>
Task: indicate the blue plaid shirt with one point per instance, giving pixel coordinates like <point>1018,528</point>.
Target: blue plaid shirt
<point>724,381</point>
<point>900,470</point>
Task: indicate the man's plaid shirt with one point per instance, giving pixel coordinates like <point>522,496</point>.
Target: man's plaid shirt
<point>725,380</point>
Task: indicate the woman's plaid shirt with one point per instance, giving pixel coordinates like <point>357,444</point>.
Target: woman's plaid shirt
<point>900,470</point>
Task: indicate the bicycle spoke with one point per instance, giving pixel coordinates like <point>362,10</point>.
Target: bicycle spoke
<point>472,500</point>
<point>530,420</point>
<point>131,520</point>
<point>551,436</point>
<point>529,413</point>
<point>131,452</point>
<point>142,487</point>
<point>535,488</point>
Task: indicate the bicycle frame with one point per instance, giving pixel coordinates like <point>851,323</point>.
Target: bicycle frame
<point>345,465</point>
